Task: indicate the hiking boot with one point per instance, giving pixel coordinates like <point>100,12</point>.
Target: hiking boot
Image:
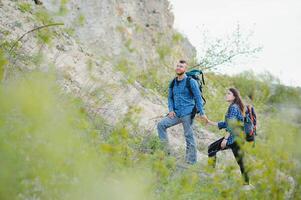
<point>248,187</point>
<point>38,2</point>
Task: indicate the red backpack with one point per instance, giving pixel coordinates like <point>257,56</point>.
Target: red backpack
<point>250,123</point>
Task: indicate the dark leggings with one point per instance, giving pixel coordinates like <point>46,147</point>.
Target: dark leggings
<point>238,153</point>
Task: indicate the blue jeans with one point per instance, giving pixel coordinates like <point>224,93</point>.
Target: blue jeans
<point>188,133</point>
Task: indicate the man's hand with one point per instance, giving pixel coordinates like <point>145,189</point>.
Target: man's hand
<point>171,114</point>
<point>203,118</point>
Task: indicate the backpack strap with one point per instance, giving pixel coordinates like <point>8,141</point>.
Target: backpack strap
<point>172,84</point>
<point>203,80</point>
<point>252,117</point>
<point>188,85</point>
<point>250,113</point>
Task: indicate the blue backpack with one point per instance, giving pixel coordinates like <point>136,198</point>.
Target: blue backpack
<point>250,123</point>
<point>193,74</point>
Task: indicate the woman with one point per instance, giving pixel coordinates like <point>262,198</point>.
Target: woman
<point>233,124</point>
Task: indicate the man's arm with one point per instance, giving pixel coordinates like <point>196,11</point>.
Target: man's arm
<point>198,96</point>
<point>170,99</point>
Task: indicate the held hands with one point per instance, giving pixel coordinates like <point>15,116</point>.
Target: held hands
<point>202,118</point>
<point>211,123</point>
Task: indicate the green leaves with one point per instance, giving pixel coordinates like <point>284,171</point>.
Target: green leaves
<point>3,62</point>
<point>57,152</point>
<point>163,51</point>
<point>25,7</point>
<point>43,16</point>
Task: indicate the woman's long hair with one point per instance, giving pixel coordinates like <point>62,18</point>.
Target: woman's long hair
<point>238,99</point>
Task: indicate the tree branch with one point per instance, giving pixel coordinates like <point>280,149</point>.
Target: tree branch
<point>229,58</point>
<point>35,29</point>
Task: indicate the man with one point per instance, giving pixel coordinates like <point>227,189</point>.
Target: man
<point>181,102</point>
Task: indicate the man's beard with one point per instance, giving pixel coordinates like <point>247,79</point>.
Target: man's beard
<point>180,73</point>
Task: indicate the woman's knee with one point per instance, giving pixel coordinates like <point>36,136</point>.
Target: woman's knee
<point>211,146</point>
<point>210,151</point>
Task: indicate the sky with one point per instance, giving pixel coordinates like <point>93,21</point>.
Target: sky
<point>276,25</point>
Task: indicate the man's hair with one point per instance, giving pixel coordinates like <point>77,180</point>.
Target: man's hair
<point>182,61</point>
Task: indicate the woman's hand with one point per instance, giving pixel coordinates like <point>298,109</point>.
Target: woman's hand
<point>224,143</point>
<point>211,123</point>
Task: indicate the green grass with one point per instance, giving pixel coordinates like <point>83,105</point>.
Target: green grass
<point>25,7</point>
<point>177,38</point>
<point>44,36</point>
<point>129,46</point>
<point>63,8</point>
<point>50,140</point>
<point>3,62</point>
<point>43,16</point>
<point>80,20</point>
<point>155,80</point>
<point>52,148</point>
<point>163,51</point>
<point>128,69</point>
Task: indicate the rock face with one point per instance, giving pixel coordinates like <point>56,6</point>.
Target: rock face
<point>136,30</point>
<point>98,53</point>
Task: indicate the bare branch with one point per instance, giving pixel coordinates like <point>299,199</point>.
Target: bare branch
<point>218,51</point>
<point>230,58</point>
<point>35,29</point>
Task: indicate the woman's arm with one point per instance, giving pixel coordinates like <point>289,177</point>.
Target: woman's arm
<point>212,123</point>
<point>231,114</point>
<point>219,125</point>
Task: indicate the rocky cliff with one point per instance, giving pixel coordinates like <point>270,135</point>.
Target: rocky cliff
<point>105,53</point>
